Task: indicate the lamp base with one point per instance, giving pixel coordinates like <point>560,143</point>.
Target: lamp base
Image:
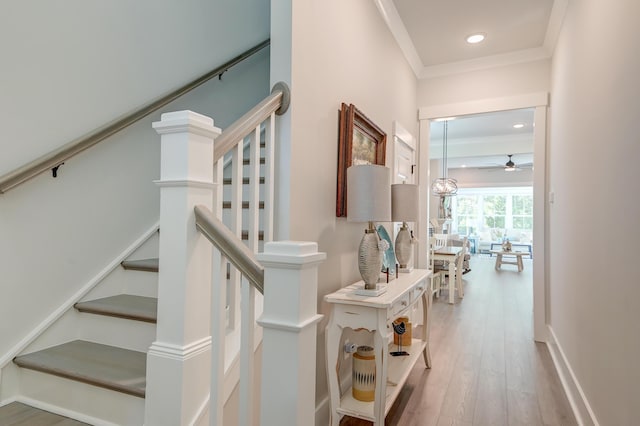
<point>406,269</point>
<point>404,248</point>
<point>370,257</point>
<point>374,292</point>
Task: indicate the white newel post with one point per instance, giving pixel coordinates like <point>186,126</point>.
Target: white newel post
<point>178,361</point>
<point>289,320</point>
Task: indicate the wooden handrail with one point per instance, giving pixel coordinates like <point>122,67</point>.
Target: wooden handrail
<point>230,246</point>
<point>60,155</point>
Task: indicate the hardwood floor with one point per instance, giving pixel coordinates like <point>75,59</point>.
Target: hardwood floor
<point>17,414</point>
<point>486,369</point>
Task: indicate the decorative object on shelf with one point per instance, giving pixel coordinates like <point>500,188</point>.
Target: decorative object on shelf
<point>388,257</point>
<point>443,186</point>
<point>364,374</point>
<point>400,329</point>
<point>405,340</point>
<point>369,200</point>
<point>404,208</point>
<point>506,246</point>
<point>360,142</point>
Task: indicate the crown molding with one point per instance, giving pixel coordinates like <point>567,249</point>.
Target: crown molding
<point>391,16</point>
<point>556,20</point>
<point>485,62</point>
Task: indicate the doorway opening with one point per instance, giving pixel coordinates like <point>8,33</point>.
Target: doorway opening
<point>535,105</point>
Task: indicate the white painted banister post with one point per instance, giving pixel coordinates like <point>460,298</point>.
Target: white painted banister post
<point>178,361</point>
<point>289,320</point>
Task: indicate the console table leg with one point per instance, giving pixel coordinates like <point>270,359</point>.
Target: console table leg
<point>426,325</point>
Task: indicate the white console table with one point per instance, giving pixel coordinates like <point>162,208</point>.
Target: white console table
<point>375,314</point>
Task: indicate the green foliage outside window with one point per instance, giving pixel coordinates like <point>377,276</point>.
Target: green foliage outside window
<point>522,211</point>
<point>467,213</point>
<point>495,211</point>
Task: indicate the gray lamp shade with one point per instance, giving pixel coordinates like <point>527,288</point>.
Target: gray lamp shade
<point>404,202</point>
<point>368,193</point>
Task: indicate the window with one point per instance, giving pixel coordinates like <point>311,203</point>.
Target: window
<point>467,213</point>
<point>493,212</point>
<point>522,212</point>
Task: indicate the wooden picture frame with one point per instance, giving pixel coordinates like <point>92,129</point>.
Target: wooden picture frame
<point>360,142</point>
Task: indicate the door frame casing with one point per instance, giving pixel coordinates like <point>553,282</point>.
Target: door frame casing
<point>539,101</point>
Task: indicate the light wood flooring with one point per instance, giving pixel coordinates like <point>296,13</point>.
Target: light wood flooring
<point>17,414</point>
<point>486,368</point>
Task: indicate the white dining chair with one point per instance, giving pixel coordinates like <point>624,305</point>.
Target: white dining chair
<point>459,270</point>
<point>437,275</point>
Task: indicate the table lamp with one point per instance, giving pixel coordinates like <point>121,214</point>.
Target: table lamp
<point>404,208</point>
<point>369,200</point>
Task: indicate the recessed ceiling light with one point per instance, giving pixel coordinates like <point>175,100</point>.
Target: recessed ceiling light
<point>475,38</point>
<point>445,119</point>
<point>463,166</point>
<point>518,126</point>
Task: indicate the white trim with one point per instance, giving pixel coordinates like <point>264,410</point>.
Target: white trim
<point>279,325</point>
<point>63,411</point>
<point>202,410</point>
<point>183,183</point>
<point>392,18</point>
<point>527,100</point>
<point>55,315</point>
<point>555,25</point>
<point>178,352</point>
<point>399,132</point>
<point>485,62</point>
<point>539,100</point>
<point>578,400</point>
<point>291,262</point>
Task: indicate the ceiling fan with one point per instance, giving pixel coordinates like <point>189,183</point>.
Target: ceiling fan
<point>509,166</point>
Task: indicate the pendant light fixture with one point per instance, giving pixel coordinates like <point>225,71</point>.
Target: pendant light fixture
<point>444,186</point>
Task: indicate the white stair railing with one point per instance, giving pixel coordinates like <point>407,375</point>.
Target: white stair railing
<point>193,281</point>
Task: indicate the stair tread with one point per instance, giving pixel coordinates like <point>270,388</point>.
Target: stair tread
<point>147,265</point>
<point>128,306</point>
<point>101,365</point>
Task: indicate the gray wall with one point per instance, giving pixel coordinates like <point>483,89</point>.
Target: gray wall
<point>70,67</point>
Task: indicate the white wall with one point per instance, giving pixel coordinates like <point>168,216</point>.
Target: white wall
<point>341,52</point>
<point>70,67</point>
<point>528,77</point>
<point>595,296</point>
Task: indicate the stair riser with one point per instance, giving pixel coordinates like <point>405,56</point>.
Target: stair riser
<point>102,406</point>
<point>121,281</point>
<point>123,333</point>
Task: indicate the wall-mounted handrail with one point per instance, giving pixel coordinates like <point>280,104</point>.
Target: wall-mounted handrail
<point>58,156</point>
<point>230,246</point>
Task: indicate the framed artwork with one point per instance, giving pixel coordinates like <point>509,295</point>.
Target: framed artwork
<point>360,142</point>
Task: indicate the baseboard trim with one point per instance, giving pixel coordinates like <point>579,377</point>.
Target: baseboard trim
<point>55,315</point>
<point>578,400</point>
<point>63,412</point>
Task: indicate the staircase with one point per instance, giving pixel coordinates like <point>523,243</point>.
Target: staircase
<point>123,356</point>
<point>115,368</point>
